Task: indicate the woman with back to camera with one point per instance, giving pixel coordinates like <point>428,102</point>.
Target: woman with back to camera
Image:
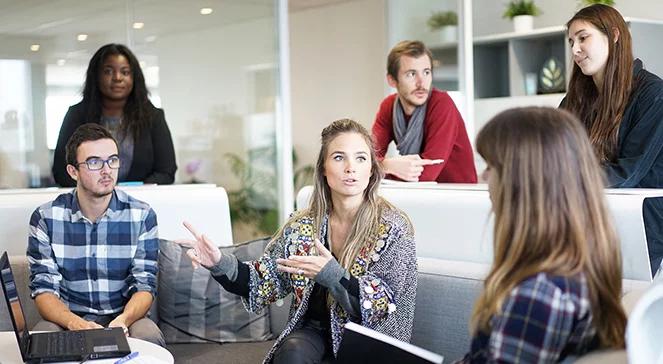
<point>115,96</point>
<point>621,106</point>
<point>349,256</point>
<point>553,291</point>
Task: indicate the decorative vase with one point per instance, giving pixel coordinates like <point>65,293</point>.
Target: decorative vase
<point>523,23</point>
<point>449,34</point>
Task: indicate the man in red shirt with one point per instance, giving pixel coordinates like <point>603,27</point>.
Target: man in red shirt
<point>423,121</point>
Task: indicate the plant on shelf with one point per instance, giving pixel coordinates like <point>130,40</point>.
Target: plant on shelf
<point>521,7</point>
<point>522,12</point>
<point>592,2</point>
<point>440,19</point>
<point>445,23</point>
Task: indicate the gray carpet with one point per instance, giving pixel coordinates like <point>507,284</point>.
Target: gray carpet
<point>229,353</point>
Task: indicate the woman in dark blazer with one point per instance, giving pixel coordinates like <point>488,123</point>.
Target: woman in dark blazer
<point>116,97</point>
<point>621,105</point>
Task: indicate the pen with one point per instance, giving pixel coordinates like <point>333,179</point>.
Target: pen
<point>127,358</point>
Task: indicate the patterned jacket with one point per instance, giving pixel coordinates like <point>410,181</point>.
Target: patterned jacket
<point>387,276</point>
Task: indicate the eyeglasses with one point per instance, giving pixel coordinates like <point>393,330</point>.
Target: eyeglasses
<point>95,164</point>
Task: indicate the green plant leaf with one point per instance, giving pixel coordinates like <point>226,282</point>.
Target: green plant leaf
<point>439,19</point>
<point>521,7</point>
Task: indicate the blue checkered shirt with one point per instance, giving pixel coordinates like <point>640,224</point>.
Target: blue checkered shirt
<point>94,267</point>
<point>545,319</point>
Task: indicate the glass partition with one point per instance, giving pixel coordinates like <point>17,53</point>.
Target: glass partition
<point>213,69</point>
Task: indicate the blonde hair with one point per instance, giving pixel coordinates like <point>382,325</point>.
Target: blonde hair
<point>550,214</point>
<point>367,221</point>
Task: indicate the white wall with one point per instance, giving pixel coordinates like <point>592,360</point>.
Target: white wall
<point>410,17</point>
<point>337,60</point>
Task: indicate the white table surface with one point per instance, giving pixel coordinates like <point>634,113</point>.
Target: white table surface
<point>10,354</point>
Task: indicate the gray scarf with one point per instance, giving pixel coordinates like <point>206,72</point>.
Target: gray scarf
<point>409,136</point>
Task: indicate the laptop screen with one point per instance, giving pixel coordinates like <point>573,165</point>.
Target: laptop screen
<point>14,304</point>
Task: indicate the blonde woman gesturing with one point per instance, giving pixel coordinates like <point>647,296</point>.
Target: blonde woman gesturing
<point>350,256</point>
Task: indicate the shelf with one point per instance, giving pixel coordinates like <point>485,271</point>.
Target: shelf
<point>535,33</point>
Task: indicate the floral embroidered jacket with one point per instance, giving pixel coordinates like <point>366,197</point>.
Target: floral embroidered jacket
<point>387,276</point>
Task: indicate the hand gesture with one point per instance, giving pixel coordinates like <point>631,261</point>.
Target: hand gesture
<point>408,167</point>
<point>202,251</point>
<point>306,265</point>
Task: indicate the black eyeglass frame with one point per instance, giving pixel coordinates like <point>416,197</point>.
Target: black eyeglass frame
<point>103,161</point>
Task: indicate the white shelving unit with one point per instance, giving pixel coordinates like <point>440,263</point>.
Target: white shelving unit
<point>502,61</point>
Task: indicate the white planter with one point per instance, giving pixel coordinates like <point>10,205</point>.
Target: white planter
<point>448,34</point>
<point>523,23</point>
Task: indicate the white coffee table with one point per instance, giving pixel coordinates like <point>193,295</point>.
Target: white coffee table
<point>10,354</point>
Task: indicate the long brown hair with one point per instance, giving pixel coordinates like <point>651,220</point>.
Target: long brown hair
<point>601,110</point>
<point>550,214</point>
<point>364,228</point>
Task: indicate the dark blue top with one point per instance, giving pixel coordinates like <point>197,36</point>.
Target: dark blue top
<point>639,162</point>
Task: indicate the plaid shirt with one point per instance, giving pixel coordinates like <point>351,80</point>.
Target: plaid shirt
<point>545,319</point>
<point>94,267</point>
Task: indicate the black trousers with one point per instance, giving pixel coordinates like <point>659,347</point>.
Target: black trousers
<point>311,344</point>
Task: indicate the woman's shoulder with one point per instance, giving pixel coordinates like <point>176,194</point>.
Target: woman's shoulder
<point>648,85</point>
<point>395,217</point>
<point>547,287</point>
<point>78,108</point>
<point>300,221</point>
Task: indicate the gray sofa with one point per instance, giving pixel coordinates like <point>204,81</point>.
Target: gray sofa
<point>444,303</point>
<point>443,309</point>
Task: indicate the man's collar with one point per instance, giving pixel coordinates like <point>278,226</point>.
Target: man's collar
<point>77,214</point>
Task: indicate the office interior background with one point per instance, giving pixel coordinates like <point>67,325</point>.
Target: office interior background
<point>215,68</point>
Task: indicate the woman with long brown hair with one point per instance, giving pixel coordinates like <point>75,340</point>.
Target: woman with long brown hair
<point>621,106</point>
<point>350,256</point>
<point>554,287</point>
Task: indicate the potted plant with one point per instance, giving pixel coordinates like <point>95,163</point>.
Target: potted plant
<point>522,12</point>
<point>446,24</point>
<point>592,2</point>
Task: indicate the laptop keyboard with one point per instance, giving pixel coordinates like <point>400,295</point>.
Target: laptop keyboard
<point>64,342</point>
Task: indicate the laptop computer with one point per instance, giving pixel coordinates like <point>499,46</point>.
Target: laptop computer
<point>61,346</point>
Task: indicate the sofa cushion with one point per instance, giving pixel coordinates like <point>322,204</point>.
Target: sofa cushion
<point>193,307</point>
<point>446,291</point>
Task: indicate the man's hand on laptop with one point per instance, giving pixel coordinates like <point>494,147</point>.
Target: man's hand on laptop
<point>407,167</point>
<point>81,324</point>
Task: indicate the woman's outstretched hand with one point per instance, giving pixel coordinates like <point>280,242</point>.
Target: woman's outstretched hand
<point>306,265</point>
<point>201,251</point>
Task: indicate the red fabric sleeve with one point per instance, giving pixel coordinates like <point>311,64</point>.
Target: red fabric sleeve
<point>446,138</point>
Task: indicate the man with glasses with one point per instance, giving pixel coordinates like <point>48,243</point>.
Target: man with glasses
<point>93,251</point>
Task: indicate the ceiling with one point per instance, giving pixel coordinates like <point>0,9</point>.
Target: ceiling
<point>55,24</point>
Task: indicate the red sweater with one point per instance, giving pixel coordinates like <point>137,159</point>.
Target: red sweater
<point>445,138</point>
